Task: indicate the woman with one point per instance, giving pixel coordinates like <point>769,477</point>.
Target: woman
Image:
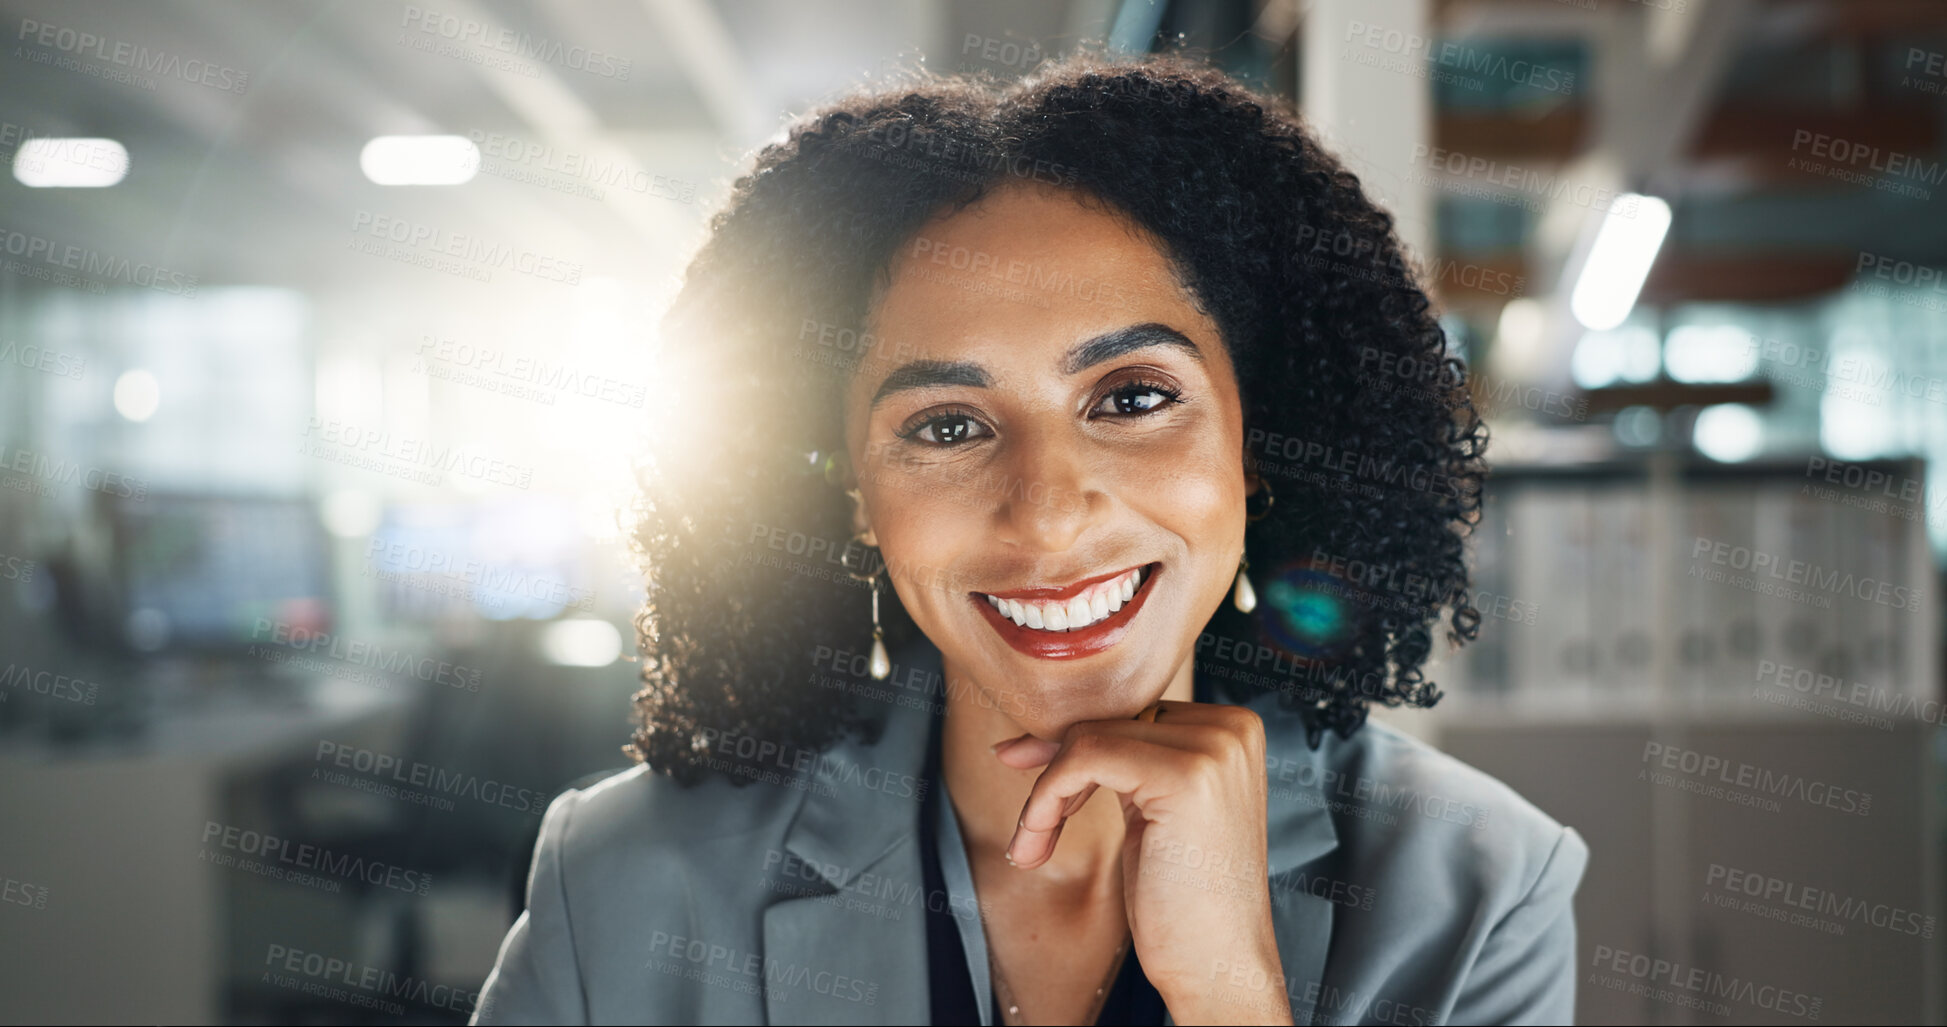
<point>1041,386</point>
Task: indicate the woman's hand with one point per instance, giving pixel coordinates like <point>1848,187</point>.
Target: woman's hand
<point>1192,785</point>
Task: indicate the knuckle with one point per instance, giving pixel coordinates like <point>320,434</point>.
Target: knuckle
<point>1205,765</point>
<point>1085,744</point>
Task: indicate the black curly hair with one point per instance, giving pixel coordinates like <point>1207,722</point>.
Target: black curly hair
<point>1354,408</point>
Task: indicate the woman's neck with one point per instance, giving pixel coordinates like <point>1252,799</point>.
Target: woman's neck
<point>988,795</point>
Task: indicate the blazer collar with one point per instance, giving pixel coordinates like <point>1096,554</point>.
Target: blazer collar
<point>863,801</point>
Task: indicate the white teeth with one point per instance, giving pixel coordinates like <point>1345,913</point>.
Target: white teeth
<point>1078,612</point>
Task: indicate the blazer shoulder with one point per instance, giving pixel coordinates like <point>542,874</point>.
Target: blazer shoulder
<point>640,814</point>
<point>1436,814</point>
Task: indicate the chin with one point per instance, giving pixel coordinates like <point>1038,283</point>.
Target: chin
<point>1065,694</point>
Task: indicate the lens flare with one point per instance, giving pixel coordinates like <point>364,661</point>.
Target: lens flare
<point>1306,611</point>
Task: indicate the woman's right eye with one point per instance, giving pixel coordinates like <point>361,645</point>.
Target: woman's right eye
<point>946,430</point>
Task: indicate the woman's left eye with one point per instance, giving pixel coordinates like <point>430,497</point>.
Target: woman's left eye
<point>1137,399</point>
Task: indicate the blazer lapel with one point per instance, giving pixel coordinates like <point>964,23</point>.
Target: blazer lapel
<point>1299,832</point>
<point>858,955</point>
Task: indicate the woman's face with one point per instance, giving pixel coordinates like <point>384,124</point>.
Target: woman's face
<point>1044,424</point>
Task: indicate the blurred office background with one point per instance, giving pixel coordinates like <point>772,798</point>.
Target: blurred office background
<point>312,446</point>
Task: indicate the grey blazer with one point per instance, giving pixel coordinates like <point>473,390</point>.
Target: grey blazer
<point>1407,888</point>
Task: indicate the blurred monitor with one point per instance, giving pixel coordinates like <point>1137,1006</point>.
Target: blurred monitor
<point>522,558</point>
<point>217,572</point>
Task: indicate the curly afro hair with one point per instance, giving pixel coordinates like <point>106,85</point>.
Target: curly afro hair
<point>1355,411</point>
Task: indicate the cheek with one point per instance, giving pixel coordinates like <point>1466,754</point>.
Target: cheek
<point>921,533</point>
<point>1199,498</point>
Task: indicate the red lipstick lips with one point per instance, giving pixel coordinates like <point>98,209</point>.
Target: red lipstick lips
<point>1100,634</point>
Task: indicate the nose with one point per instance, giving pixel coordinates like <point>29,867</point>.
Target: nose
<point>1050,494</point>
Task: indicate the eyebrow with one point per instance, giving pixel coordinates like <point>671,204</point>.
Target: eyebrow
<point>920,374</point>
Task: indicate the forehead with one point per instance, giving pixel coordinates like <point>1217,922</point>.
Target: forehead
<point>1024,273</point>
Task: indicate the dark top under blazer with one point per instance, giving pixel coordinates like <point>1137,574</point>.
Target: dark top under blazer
<point>1131,1002</point>
<point>1406,887</point>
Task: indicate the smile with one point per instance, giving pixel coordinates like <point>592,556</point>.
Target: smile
<point>1072,621</point>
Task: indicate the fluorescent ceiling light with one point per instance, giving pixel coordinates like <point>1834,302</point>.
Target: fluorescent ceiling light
<point>581,643</point>
<point>1728,432</point>
<point>137,394</point>
<point>1710,353</point>
<point>49,163</point>
<point>1625,247</point>
<point>420,160</point>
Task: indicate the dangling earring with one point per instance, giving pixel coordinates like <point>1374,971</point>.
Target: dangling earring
<point>1243,596</point>
<point>881,663</point>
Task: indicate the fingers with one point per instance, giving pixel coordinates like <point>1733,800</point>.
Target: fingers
<point>1026,752</point>
<point>1142,760</point>
<point>1093,760</point>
